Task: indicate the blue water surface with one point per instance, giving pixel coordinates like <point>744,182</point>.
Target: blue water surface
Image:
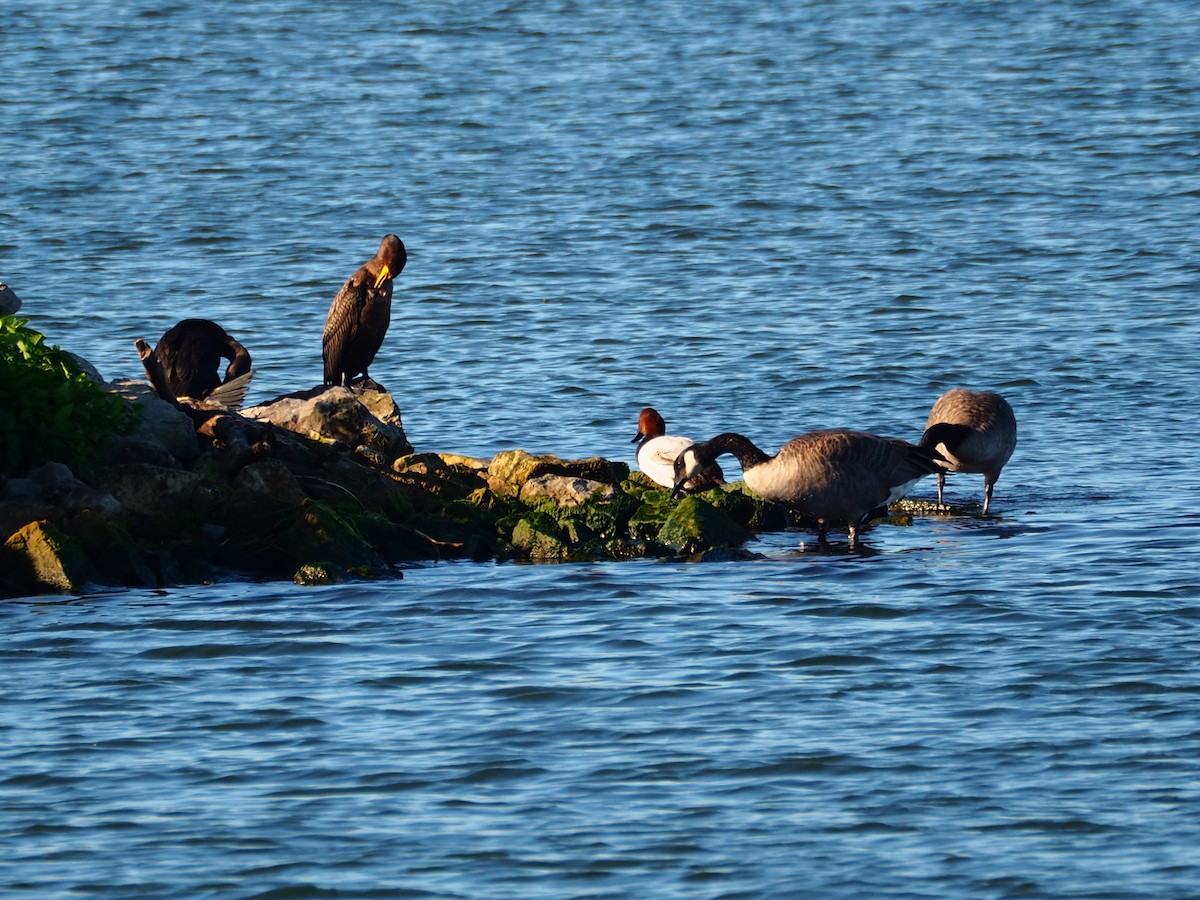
<point>762,218</point>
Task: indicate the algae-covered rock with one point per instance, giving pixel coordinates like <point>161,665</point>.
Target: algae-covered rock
<point>314,533</point>
<point>49,559</point>
<point>751,512</point>
<point>694,525</point>
<point>540,536</point>
<point>650,516</point>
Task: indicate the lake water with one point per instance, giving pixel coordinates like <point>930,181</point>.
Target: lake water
<point>762,218</point>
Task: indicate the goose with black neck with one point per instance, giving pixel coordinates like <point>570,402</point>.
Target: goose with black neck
<point>835,476</point>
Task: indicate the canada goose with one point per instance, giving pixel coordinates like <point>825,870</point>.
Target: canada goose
<point>657,451</point>
<point>190,354</point>
<point>834,476</point>
<point>975,431</point>
<point>360,314</point>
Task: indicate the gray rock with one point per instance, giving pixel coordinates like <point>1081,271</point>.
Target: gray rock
<point>340,415</point>
<point>510,469</point>
<point>162,424</point>
<point>56,484</point>
<point>564,490</point>
<point>88,369</point>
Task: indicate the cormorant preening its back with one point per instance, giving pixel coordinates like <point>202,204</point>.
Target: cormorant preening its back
<point>190,354</point>
<point>360,313</point>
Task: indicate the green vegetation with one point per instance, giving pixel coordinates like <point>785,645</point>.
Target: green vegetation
<point>49,409</point>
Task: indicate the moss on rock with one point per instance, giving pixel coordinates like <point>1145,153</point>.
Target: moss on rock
<point>540,535</point>
<point>695,525</point>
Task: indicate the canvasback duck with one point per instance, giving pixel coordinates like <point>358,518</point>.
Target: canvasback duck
<point>976,431</point>
<point>657,451</point>
<point>360,314</point>
<point>836,476</point>
<point>190,354</point>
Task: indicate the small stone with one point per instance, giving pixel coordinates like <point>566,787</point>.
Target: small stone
<point>317,573</point>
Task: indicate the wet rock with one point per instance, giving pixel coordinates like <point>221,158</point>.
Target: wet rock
<point>339,415</point>
<point>162,425</point>
<point>694,526</point>
<point>47,559</point>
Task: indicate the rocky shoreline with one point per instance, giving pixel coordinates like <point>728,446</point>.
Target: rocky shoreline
<point>322,486</point>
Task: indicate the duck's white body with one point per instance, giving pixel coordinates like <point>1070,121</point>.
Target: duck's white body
<point>657,451</point>
<point>656,457</point>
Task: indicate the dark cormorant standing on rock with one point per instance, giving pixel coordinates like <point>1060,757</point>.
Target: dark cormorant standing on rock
<point>190,354</point>
<point>360,313</point>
